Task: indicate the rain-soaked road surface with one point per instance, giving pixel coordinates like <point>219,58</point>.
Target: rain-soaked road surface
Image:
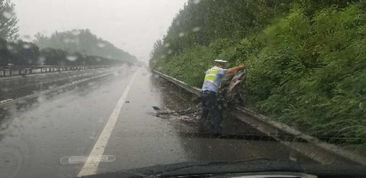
<point>59,134</point>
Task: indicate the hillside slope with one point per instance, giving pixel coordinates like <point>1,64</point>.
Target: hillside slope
<point>306,59</point>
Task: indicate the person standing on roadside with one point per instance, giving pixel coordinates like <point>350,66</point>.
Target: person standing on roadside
<point>211,113</point>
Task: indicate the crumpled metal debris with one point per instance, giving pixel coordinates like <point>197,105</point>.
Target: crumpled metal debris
<point>190,115</point>
<point>229,94</point>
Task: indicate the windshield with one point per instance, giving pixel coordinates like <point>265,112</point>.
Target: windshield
<point>91,87</point>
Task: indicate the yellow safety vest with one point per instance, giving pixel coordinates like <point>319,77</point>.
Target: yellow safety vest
<point>211,74</point>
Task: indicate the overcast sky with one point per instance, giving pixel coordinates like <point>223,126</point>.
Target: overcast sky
<point>132,25</point>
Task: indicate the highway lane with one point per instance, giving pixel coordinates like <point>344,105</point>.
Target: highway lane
<point>140,139</point>
<point>19,86</point>
<point>36,135</point>
<point>111,118</point>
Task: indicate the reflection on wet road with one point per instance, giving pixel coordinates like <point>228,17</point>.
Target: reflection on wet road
<point>53,135</point>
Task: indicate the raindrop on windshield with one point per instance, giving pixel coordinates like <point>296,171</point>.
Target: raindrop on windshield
<point>67,40</point>
<point>177,23</point>
<point>7,15</point>
<point>41,99</point>
<point>71,57</point>
<point>41,60</point>
<point>27,37</point>
<point>181,34</point>
<point>4,89</point>
<point>170,51</point>
<point>52,86</point>
<point>101,45</point>
<point>11,48</point>
<point>167,45</point>
<point>196,29</point>
<point>26,46</point>
<point>76,32</point>
<point>360,105</point>
<point>91,83</point>
<point>196,1</point>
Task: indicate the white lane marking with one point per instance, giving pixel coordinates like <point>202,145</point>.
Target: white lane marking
<point>68,160</point>
<point>91,165</point>
<point>5,101</point>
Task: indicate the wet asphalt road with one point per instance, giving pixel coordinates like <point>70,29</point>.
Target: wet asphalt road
<point>53,135</point>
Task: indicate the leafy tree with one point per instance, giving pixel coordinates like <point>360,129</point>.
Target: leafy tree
<point>22,53</point>
<point>8,21</point>
<point>4,53</point>
<point>50,56</point>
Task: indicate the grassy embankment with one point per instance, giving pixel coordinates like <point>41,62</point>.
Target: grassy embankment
<point>306,68</point>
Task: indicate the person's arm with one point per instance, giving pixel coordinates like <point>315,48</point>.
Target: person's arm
<point>235,69</point>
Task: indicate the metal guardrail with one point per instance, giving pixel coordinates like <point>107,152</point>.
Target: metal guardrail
<point>310,146</point>
<point>181,84</point>
<point>36,94</point>
<point>8,71</point>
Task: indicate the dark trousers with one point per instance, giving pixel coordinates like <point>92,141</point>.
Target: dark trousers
<point>211,115</point>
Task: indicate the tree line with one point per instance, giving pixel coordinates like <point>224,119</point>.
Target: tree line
<point>82,41</point>
<point>23,53</point>
<point>75,47</point>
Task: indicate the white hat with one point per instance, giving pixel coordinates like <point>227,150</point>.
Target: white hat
<point>220,61</point>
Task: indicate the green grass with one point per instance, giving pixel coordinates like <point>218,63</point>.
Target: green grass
<point>306,71</point>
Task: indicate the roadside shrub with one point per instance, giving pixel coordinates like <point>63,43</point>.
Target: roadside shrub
<point>312,73</point>
<point>305,69</point>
